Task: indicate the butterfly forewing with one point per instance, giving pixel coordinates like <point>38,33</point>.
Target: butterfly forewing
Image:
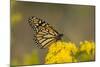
<point>44,34</point>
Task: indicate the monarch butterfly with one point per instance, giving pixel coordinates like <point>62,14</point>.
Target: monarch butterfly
<point>44,34</point>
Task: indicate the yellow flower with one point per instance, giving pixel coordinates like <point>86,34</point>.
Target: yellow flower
<point>28,59</point>
<point>61,52</point>
<point>87,46</point>
<point>15,18</point>
<point>31,58</point>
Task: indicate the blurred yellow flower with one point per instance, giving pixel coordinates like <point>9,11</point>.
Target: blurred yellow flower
<point>15,18</point>
<point>61,52</point>
<point>87,46</point>
<point>30,59</point>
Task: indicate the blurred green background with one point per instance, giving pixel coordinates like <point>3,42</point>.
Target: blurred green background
<point>76,22</point>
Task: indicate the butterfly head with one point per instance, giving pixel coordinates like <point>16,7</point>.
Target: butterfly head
<point>59,37</point>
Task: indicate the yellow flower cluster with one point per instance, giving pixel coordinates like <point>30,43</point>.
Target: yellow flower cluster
<point>87,46</point>
<point>61,52</point>
<point>65,52</point>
